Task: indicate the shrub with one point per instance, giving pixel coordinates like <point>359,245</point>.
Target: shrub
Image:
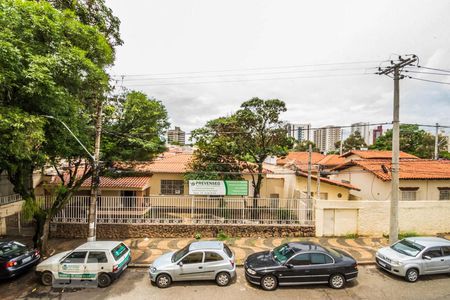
<point>222,236</point>
<point>197,236</point>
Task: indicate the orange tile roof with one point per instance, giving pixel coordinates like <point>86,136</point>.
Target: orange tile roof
<point>171,163</point>
<point>140,183</point>
<point>133,182</point>
<point>410,169</point>
<point>300,158</point>
<point>167,163</point>
<point>332,182</point>
<point>377,154</point>
<point>331,160</point>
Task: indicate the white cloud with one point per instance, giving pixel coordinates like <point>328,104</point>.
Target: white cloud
<point>183,36</point>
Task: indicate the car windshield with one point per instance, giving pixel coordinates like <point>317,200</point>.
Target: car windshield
<point>407,247</point>
<point>282,253</point>
<point>11,249</point>
<point>180,253</point>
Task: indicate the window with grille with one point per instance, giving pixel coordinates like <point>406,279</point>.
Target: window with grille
<point>409,195</point>
<point>444,193</point>
<point>172,187</point>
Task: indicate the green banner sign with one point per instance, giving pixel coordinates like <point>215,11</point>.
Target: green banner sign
<point>236,188</point>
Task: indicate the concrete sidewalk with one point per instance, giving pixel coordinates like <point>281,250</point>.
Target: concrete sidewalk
<point>144,251</point>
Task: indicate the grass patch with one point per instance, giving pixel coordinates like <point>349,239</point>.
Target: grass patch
<point>351,236</point>
<point>405,234</point>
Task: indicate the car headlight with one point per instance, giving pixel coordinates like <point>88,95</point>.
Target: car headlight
<point>152,269</point>
<point>250,271</point>
<point>396,263</point>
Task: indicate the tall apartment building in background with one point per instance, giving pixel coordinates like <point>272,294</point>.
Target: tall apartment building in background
<point>300,132</point>
<point>376,133</point>
<point>326,137</point>
<point>364,130</point>
<point>176,136</point>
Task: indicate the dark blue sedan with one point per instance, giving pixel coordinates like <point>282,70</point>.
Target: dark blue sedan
<point>16,258</point>
<point>300,263</point>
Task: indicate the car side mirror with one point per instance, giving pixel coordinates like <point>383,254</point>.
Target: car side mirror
<point>427,257</point>
<point>180,263</point>
<point>289,266</point>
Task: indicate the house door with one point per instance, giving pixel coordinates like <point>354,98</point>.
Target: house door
<point>128,198</point>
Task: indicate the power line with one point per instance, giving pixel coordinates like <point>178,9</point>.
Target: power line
<point>428,80</point>
<point>252,69</point>
<point>249,80</point>
<point>433,69</point>
<point>429,73</point>
<point>249,74</point>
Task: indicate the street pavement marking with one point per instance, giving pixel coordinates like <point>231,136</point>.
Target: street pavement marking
<point>164,244</point>
<point>277,242</point>
<point>364,254</point>
<point>183,243</point>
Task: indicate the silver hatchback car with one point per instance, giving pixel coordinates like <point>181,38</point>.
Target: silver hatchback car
<point>208,260</point>
<point>415,256</point>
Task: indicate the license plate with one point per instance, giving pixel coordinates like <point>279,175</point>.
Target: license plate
<point>382,264</point>
<point>126,266</point>
<point>26,259</point>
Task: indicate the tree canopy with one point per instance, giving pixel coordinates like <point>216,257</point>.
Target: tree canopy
<point>303,146</point>
<point>228,146</point>
<point>413,140</point>
<point>354,142</point>
<point>134,126</point>
<point>51,64</point>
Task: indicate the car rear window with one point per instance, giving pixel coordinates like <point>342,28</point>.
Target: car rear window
<point>11,249</point>
<point>212,256</point>
<point>227,251</point>
<point>119,251</point>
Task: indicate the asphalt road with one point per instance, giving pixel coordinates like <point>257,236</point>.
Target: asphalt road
<point>134,284</point>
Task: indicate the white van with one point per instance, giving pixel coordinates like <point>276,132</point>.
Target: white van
<point>101,261</point>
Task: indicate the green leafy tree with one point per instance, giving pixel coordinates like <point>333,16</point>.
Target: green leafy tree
<point>353,142</point>
<point>94,13</point>
<point>50,64</point>
<point>216,156</point>
<point>413,140</point>
<point>303,146</point>
<point>242,141</point>
<point>134,127</point>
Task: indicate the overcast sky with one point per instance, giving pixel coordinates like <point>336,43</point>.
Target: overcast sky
<point>267,39</point>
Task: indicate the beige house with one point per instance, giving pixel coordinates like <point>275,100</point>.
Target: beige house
<point>420,179</point>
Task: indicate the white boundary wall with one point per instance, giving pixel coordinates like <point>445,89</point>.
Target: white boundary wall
<point>338,218</point>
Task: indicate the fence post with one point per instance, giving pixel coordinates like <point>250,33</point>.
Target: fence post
<point>192,210</point>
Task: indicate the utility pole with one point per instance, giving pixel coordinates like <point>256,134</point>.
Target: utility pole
<point>340,143</point>
<point>308,187</point>
<point>318,182</point>
<point>436,143</point>
<point>95,175</point>
<point>395,69</point>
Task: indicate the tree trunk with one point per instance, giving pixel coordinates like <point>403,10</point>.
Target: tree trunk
<point>257,192</point>
<point>40,238</point>
<point>45,236</point>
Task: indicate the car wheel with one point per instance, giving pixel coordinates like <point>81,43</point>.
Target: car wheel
<point>337,281</point>
<point>412,275</point>
<point>47,278</point>
<point>163,281</point>
<point>269,283</point>
<point>104,280</point>
<point>223,279</point>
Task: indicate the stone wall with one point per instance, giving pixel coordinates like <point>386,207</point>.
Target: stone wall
<point>124,231</point>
